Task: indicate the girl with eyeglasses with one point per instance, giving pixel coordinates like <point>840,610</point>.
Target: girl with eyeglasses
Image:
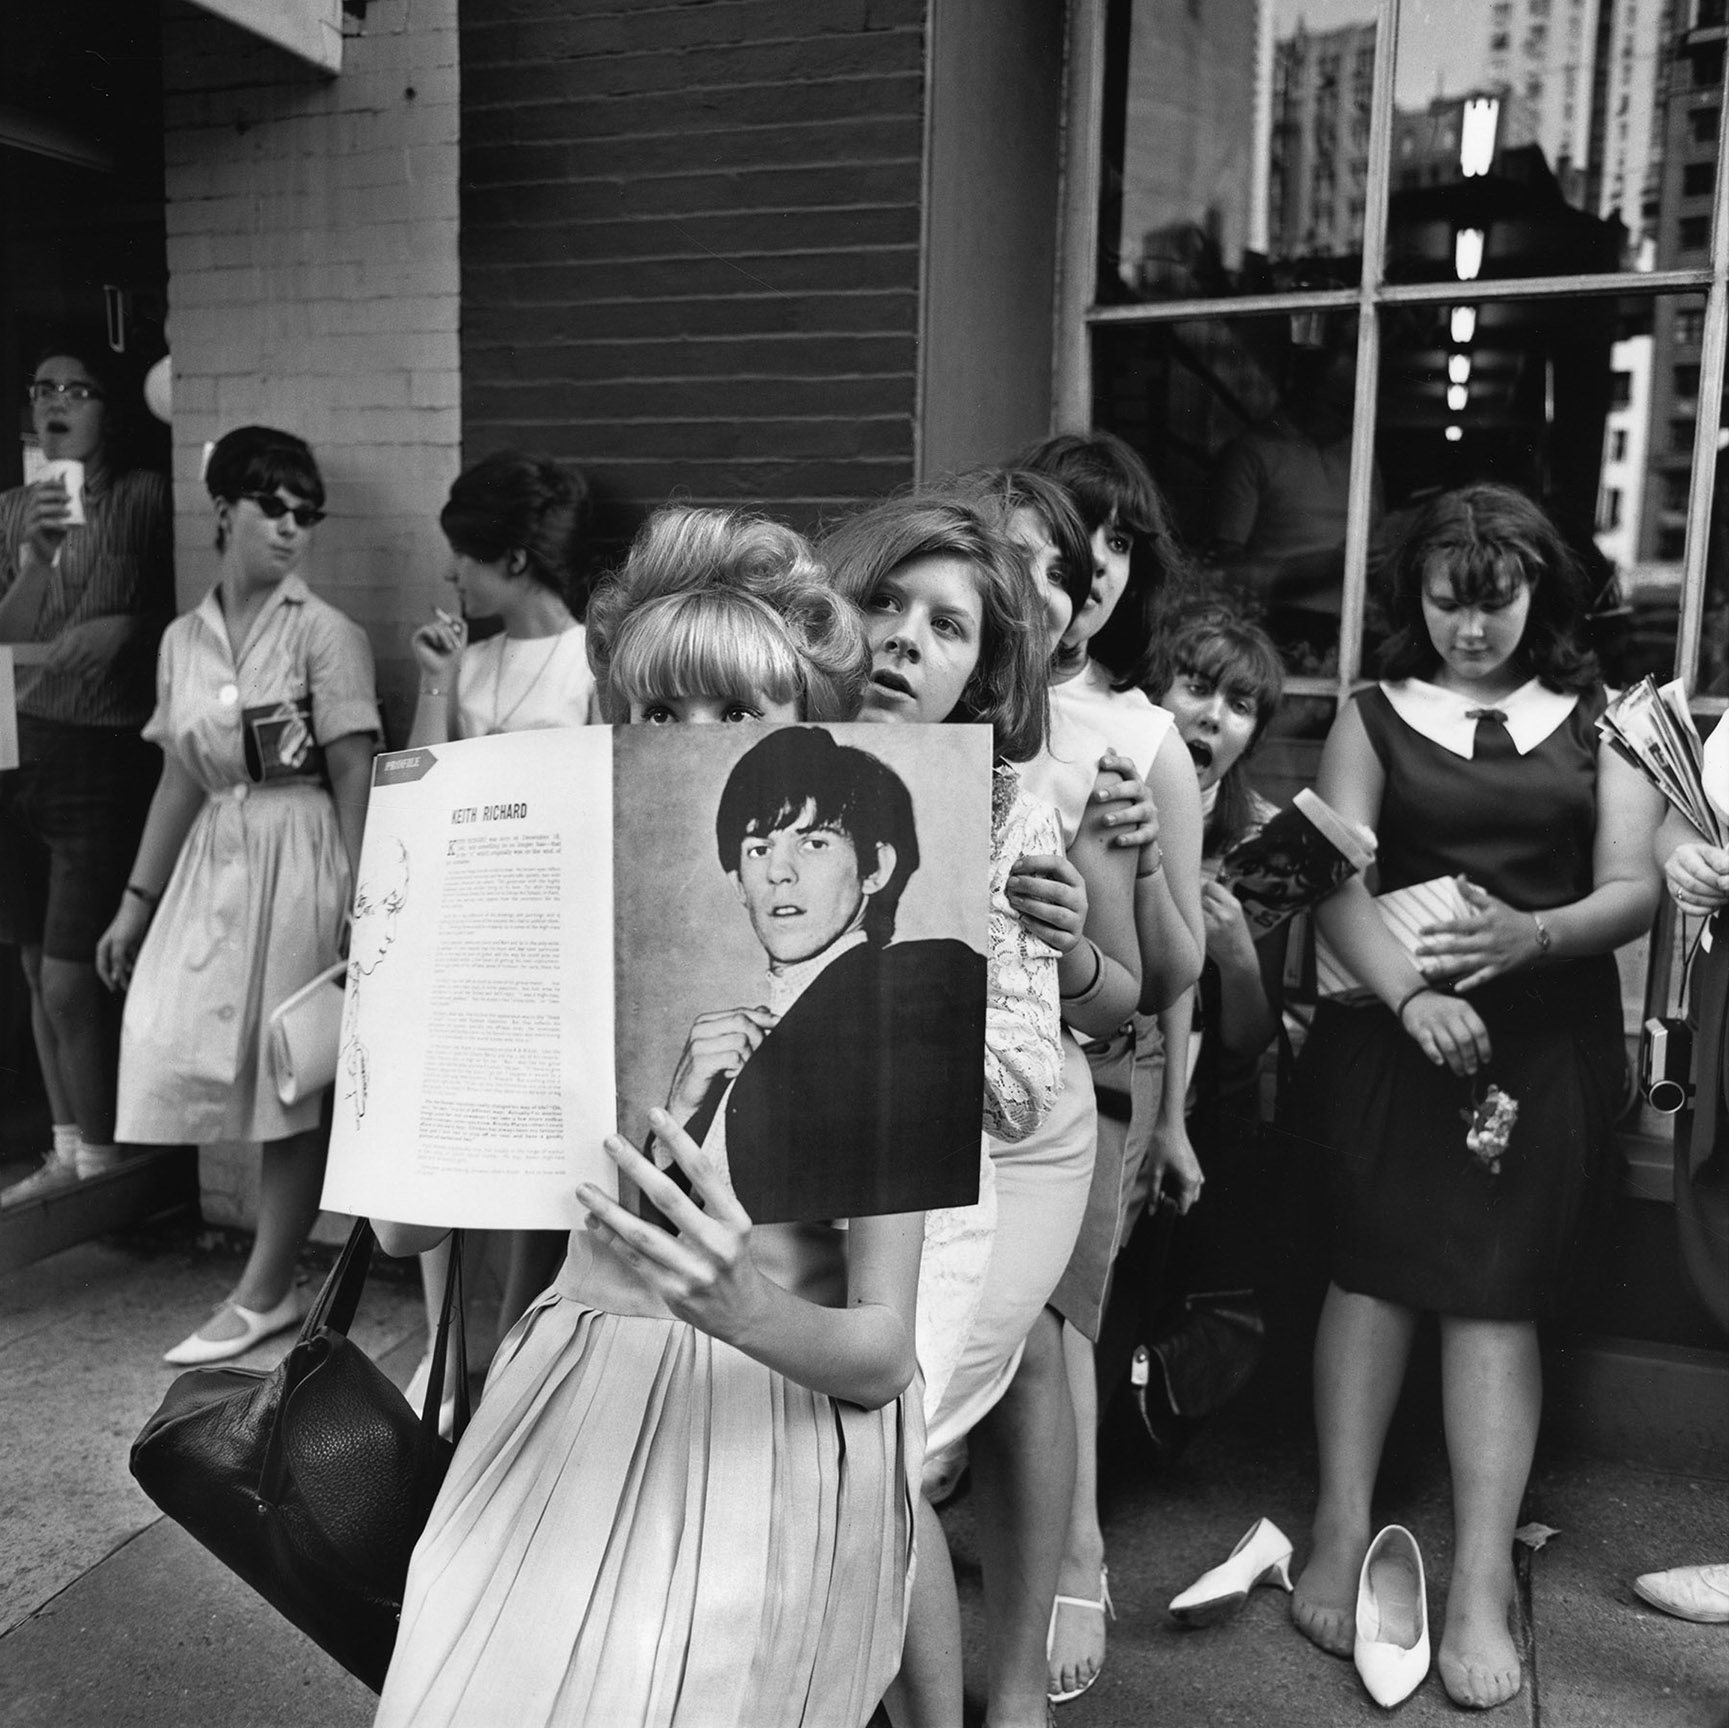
<point>268,721</point>
<point>92,579</point>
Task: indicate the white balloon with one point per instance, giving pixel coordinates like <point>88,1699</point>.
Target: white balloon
<point>159,390</point>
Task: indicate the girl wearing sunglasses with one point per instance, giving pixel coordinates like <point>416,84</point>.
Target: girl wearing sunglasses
<point>267,720</point>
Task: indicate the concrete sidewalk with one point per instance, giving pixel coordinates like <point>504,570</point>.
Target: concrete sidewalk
<point>111,1617</point>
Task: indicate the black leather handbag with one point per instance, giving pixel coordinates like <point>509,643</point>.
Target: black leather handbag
<point>313,1480</point>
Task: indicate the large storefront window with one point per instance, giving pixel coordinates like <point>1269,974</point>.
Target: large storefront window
<point>1323,259</point>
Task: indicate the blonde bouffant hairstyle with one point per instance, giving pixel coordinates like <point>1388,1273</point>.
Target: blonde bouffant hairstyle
<point>724,603</point>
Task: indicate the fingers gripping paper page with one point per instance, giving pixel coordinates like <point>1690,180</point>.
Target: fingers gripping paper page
<point>475,1076</point>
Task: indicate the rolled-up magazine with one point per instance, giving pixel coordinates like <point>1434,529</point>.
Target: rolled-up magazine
<point>1648,724</point>
<point>1298,858</point>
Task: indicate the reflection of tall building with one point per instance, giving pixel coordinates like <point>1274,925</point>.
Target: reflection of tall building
<point>1193,171</point>
<point>1621,498</point>
<point>1322,83</point>
<point>1628,141</point>
<point>1544,53</point>
<point>1677,214</point>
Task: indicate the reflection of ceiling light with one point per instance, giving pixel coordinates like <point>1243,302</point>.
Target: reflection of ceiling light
<point>1459,368</point>
<point>1454,434</point>
<point>1467,253</point>
<point>1456,394</point>
<point>1464,323</point>
<point>1477,136</point>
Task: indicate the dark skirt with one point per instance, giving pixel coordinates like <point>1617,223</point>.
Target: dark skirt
<point>1418,1219</point>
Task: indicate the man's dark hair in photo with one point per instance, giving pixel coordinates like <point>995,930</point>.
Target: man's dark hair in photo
<point>801,769</point>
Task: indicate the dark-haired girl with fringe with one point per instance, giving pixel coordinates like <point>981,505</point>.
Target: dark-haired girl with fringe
<point>1477,757</point>
<point>267,720</point>
<point>514,524</point>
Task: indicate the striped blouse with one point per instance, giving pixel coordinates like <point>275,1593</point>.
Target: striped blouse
<point>121,563</point>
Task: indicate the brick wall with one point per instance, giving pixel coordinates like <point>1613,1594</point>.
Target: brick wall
<point>690,256</point>
<point>313,285</point>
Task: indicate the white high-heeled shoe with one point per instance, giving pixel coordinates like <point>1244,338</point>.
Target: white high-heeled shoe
<point>1262,1557</point>
<point>1392,1649</point>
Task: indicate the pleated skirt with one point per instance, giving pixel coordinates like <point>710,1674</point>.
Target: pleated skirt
<point>642,1525</point>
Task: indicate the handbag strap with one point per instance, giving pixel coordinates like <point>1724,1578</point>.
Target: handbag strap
<point>340,1297</point>
<point>453,1311</point>
<point>334,1311</point>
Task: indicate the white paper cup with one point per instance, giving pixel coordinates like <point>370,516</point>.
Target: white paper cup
<point>70,473</point>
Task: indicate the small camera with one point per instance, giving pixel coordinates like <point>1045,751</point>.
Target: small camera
<point>1666,1064</point>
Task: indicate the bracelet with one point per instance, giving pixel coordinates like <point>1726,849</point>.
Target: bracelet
<point>144,894</point>
<point>1158,863</point>
<point>1093,984</point>
<point>1545,939</point>
<point>1408,998</point>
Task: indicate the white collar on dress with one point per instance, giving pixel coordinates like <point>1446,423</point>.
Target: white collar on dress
<point>1446,718</point>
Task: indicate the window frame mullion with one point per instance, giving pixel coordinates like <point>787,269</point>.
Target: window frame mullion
<point>1354,601</point>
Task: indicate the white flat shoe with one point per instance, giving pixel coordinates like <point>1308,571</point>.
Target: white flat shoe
<point>1392,1649</point>
<point>198,1350</point>
<point>1263,1556</point>
<point>1689,1592</point>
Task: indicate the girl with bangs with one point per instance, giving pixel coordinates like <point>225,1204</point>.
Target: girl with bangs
<point>717,615</point>
<point>268,720</point>
<point>962,624</point>
<point>1220,679</point>
<point>687,1496</point>
<point>1107,512</point>
<point>514,523</point>
<point>1476,758</point>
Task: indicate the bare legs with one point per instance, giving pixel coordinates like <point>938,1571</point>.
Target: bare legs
<point>47,1043</point>
<point>1360,1355</point>
<point>1023,1457</point>
<point>288,1187</point>
<point>927,1691</point>
<point>80,1020</point>
<point>1078,1649</point>
<point>1492,1395</point>
<point>1491,1392</point>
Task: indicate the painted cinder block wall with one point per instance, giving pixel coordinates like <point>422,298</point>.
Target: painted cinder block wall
<point>691,245</point>
<point>313,285</point>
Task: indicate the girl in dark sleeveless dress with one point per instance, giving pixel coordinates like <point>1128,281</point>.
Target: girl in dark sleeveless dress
<point>1477,759</point>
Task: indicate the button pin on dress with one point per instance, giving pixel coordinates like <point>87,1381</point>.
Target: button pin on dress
<point>228,695</point>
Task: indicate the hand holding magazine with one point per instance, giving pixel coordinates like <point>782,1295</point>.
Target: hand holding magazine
<point>1649,725</point>
<point>1297,859</point>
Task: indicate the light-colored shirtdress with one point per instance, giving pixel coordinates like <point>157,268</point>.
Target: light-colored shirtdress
<point>254,907</point>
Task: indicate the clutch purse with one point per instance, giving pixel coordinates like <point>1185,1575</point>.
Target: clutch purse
<point>314,1480</point>
<point>304,1037</point>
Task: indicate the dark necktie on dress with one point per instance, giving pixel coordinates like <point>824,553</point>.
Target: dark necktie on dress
<point>1493,742</point>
